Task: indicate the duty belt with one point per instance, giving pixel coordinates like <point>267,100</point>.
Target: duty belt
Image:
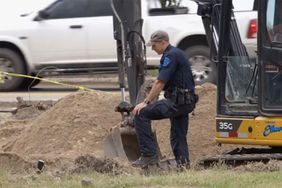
<point>181,96</point>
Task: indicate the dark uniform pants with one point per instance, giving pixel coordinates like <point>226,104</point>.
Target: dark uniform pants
<point>178,115</point>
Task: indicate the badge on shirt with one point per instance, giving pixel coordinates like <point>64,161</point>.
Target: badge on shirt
<point>166,62</point>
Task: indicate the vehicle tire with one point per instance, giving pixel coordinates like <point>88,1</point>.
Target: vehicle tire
<point>11,61</point>
<point>204,70</point>
<point>29,83</point>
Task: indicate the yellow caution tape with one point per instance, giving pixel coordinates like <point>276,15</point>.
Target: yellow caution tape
<point>1,78</point>
<point>2,75</point>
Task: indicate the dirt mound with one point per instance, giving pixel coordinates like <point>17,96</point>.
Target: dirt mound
<point>88,163</point>
<point>14,163</point>
<point>29,110</point>
<point>77,124</point>
<point>5,117</point>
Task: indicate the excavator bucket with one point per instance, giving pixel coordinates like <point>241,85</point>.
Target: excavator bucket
<point>122,141</point>
<point>122,144</point>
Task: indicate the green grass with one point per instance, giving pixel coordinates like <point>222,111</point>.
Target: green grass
<point>216,178</point>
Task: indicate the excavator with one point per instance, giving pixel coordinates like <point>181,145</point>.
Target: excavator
<point>249,91</point>
<point>122,142</point>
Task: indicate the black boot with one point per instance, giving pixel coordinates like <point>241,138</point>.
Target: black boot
<point>183,163</point>
<point>145,161</point>
<point>183,166</point>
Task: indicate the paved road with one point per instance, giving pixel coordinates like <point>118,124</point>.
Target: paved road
<point>47,91</point>
<point>33,96</point>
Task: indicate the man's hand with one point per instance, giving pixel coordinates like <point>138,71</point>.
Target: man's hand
<point>138,108</point>
<point>154,93</point>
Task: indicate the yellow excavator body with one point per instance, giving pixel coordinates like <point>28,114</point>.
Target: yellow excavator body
<point>260,130</point>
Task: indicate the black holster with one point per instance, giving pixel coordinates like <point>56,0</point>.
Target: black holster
<point>182,96</point>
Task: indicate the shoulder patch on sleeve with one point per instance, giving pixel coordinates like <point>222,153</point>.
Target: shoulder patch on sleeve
<point>166,62</point>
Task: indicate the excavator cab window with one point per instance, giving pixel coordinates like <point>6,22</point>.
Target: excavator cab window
<point>240,86</point>
<point>237,72</point>
<point>246,87</point>
<point>270,59</point>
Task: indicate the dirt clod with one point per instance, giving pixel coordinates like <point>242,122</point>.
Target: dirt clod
<point>29,110</point>
<point>88,163</point>
<point>86,183</point>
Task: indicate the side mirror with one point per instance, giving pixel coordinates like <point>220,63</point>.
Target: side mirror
<point>255,7</point>
<point>42,15</point>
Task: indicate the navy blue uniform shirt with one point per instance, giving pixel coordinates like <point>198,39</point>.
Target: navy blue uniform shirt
<point>175,70</point>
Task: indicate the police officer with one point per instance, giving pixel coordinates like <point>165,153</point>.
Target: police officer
<point>175,78</point>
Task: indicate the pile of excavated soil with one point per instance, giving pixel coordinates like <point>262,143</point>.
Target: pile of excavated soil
<point>77,124</point>
<point>14,163</point>
<point>74,126</point>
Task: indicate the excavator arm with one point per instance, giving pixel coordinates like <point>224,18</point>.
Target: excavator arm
<point>122,141</point>
<point>131,48</point>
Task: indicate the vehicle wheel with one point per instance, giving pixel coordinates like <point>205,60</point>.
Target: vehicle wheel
<point>204,70</point>
<point>28,82</point>
<point>10,61</point>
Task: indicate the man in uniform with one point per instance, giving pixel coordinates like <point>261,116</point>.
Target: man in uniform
<point>176,79</point>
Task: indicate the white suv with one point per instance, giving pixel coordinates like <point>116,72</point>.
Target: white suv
<point>76,36</point>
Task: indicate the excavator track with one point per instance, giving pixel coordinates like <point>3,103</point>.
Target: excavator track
<point>241,156</point>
